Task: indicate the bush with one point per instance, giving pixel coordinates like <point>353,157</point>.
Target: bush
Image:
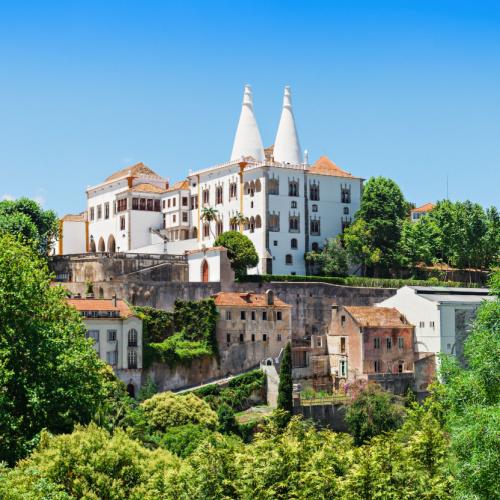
<point>184,439</point>
<point>166,410</point>
<point>240,251</point>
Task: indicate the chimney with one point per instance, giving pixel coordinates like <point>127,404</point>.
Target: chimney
<point>167,184</point>
<point>114,300</point>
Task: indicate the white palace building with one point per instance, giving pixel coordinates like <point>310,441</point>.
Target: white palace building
<point>286,206</point>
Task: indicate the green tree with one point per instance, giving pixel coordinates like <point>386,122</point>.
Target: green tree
<point>49,373</point>
<point>285,387</point>
<point>227,420</point>
<point>471,395</point>
<point>240,251</point>
<point>25,219</point>
<point>209,214</point>
<point>184,439</point>
<point>332,260</point>
<point>382,208</point>
<point>372,412</point>
<point>358,239</point>
<point>238,219</point>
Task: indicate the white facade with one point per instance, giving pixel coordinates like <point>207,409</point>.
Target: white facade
<point>441,315</point>
<point>284,205</point>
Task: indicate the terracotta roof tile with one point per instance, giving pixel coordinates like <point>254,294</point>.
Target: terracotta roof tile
<point>377,316</point>
<point>101,305</point>
<point>137,170</point>
<point>147,188</point>
<point>179,185</point>
<point>203,250</point>
<point>424,208</point>
<point>73,218</point>
<point>242,299</point>
<point>325,166</point>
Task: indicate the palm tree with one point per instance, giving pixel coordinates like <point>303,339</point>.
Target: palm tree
<point>209,215</point>
<point>238,219</point>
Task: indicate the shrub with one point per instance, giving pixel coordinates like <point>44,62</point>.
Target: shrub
<point>166,410</point>
<point>184,439</point>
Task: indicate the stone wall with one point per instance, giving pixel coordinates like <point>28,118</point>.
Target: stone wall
<point>327,415</point>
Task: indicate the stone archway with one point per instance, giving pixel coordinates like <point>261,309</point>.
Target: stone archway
<point>111,243</point>
<point>204,271</point>
<point>101,246</point>
<point>131,390</point>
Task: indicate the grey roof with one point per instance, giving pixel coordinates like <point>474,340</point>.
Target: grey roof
<point>450,290</point>
<point>455,297</point>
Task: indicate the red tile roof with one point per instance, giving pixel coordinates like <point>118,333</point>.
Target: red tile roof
<point>101,305</point>
<point>242,299</point>
<point>377,316</point>
<point>144,187</point>
<point>325,166</point>
<point>424,208</point>
<point>137,170</point>
<point>74,218</point>
<point>179,185</point>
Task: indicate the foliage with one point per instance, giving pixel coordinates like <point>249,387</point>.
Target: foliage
<point>372,412</point>
<point>90,463</point>
<point>27,221</point>
<point>285,387</point>
<point>49,373</point>
<point>471,396</point>
<point>332,260</point>
<point>157,324</point>
<point>354,281</point>
<point>372,240</point>
<point>227,420</point>
<point>166,410</point>
<point>176,350</point>
<point>183,440</point>
<point>209,214</point>
<point>148,390</point>
<point>240,251</point>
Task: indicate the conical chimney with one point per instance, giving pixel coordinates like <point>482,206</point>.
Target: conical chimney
<point>287,146</point>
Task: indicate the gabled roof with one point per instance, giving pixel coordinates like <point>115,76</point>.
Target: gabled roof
<point>325,166</point>
<point>137,170</point>
<point>101,305</point>
<point>424,208</point>
<point>179,185</point>
<point>147,188</point>
<point>248,299</point>
<point>367,316</point>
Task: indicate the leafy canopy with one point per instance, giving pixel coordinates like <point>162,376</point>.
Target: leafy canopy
<point>285,387</point>
<point>49,373</point>
<point>332,260</point>
<point>240,251</point>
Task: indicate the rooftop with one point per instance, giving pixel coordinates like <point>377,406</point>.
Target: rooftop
<point>73,218</point>
<point>137,170</point>
<point>179,185</point>
<point>325,166</point>
<point>424,208</point>
<point>145,187</point>
<point>83,305</point>
<point>377,316</point>
<point>248,299</point>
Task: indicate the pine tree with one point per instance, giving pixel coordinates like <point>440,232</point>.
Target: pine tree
<point>285,387</point>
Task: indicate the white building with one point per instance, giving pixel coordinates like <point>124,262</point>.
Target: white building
<point>286,206</point>
<point>442,316</point>
<point>117,335</point>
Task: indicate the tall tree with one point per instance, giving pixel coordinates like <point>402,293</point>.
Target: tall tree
<point>285,388</point>
<point>331,260</point>
<point>240,251</point>
<point>50,375</point>
<point>25,219</point>
<point>382,209</point>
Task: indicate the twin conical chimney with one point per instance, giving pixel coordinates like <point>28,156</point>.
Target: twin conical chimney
<point>248,142</point>
<point>286,145</point>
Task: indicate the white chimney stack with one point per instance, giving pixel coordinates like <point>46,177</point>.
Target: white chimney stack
<point>287,146</point>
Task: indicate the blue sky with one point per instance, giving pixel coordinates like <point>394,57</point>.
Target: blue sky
<point>405,89</point>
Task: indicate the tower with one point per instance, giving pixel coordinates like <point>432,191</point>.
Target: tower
<point>286,145</point>
<point>247,141</point>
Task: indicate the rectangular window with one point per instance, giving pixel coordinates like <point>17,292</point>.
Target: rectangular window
<point>376,343</point>
<point>132,358</point>
<point>174,202</point>
<point>279,315</point>
<point>253,337</point>
<point>162,203</point>
<point>264,315</point>
<point>149,204</point>
<point>243,315</point>
<point>389,343</point>
<point>142,204</point>
<point>253,315</point>
<point>342,344</point>
<point>99,211</point>
<point>106,210</point>
<point>314,192</point>
<point>401,342</point>
<point>346,210</point>
<point>431,324</point>
<point>315,208</point>
<point>135,203</point>
<point>228,315</point>
<point>318,341</point>
<point>264,337</point>
<point>122,223</point>
<point>345,194</point>
<point>122,205</point>
<point>342,320</point>
<point>421,324</point>
<point>293,224</point>
<point>169,202</point>
<point>294,204</point>
<point>206,196</point>
<point>184,201</point>
<point>157,206</point>
<point>293,188</point>
<point>228,338</point>
<point>111,357</point>
<point>279,337</point>
<point>93,334</point>
<point>91,213</point>
<point>111,335</point>
<point>343,368</point>
<point>377,366</point>
<point>242,338</point>
<point>174,219</point>
<point>315,227</point>
<point>275,243</point>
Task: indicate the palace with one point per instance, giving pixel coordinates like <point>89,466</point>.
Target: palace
<point>285,205</point>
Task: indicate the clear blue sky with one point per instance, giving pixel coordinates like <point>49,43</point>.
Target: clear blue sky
<point>405,89</point>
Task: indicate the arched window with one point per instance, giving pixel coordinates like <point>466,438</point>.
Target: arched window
<point>258,186</point>
<point>288,259</point>
<point>315,246</point>
<point>252,188</point>
<point>258,222</point>
<point>233,190</point>
<point>195,232</point>
<point>132,337</point>
<point>274,222</point>
<point>246,188</point>
<point>92,245</point>
<point>111,243</point>
<point>251,224</point>
<point>219,227</point>
<point>218,194</point>
<point>101,246</point>
<point>293,188</point>
<point>204,271</point>
<point>206,230</point>
<point>274,186</point>
<point>314,192</point>
<point>294,244</point>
